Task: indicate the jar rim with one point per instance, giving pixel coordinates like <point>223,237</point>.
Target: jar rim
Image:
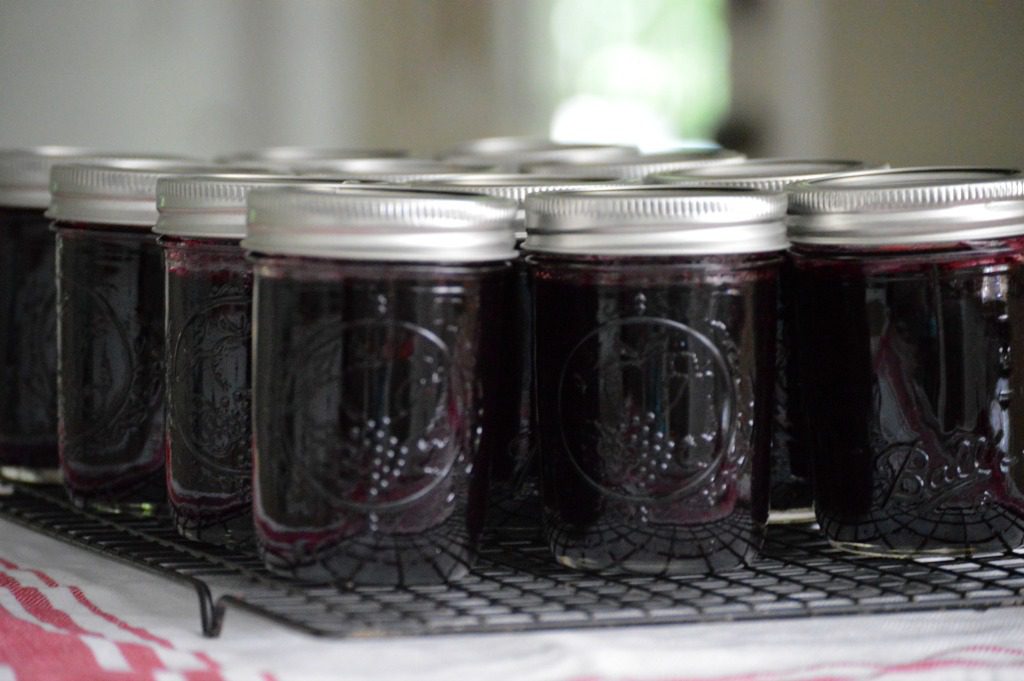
<point>115,191</point>
<point>656,219</point>
<point>908,205</point>
<point>764,174</point>
<point>380,223</point>
<point>214,205</point>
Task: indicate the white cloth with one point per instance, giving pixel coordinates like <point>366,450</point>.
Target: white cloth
<point>130,609</point>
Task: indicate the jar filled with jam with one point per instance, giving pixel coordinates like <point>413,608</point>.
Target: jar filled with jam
<point>380,358</point>
<point>654,363</point>
<point>208,352</point>
<point>790,465</point>
<point>110,332</point>
<point>514,490</point>
<point>909,299</point>
<point>28,337</point>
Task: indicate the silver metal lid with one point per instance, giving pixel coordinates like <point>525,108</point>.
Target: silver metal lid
<point>114,191</point>
<point>516,187</point>
<point>762,174</point>
<point>214,205</point>
<point>641,166</point>
<point>25,173</point>
<point>364,223</point>
<point>498,146</point>
<point>647,220</point>
<point>298,154</point>
<point>383,169</point>
<point>512,154</point>
<point>908,206</point>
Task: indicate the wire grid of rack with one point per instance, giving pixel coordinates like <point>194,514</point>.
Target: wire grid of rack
<point>515,586</point>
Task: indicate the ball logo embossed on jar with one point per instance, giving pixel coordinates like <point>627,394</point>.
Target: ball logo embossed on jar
<point>106,383</point>
<point>213,344</point>
<point>379,410</point>
<point>668,402</point>
<point>958,475</point>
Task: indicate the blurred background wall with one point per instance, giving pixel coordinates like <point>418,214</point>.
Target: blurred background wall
<point>905,81</point>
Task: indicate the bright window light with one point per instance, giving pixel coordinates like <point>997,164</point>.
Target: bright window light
<point>654,73</point>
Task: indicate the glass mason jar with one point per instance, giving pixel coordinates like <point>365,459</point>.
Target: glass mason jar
<point>208,352</point>
<point>377,379</point>
<point>791,493</point>
<point>654,354</point>
<point>28,337</point>
<point>639,167</point>
<point>515,485</point>
<point>110,332</point>
<point>909,310</point>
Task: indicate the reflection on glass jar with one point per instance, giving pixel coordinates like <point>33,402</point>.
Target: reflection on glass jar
<point>379,387</point>
<point>907,333</point>
<point>654,374</point>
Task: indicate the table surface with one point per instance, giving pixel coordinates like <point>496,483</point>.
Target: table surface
<point>67,613</point>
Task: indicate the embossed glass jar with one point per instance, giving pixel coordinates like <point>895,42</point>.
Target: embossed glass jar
<point>376,379</point>
<point>910,319</point>
<point>514,492</point>
<point>654,351</point>
<point>28,337</point>
<point>110,335</point>
<point>208,351</point>
<point>791,491</point>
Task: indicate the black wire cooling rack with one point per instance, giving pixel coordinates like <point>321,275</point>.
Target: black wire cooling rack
<point>515,586</point>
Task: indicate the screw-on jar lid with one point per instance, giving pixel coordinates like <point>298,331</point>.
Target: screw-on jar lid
<point>383,169</point>
<point>656,221</point>
<point>512,154</point>
<point>115,191</point>
<point>214,205</point>
<point>499,146</point>
<point>641,166</point>
<point>517,187</point>
<point>763,174</point>
<point>365,223</point>
<point>298,154</point>
<point>908,206</point>
<point>25,173</point>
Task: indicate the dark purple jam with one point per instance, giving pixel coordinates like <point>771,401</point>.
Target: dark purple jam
<point>209,336</point>
<point>791,492</point>
<point>110,319</point>
<point>653,408</point>
<point>380,400</point>
<point>515,486</point>
<point>28,345</point>
<point>911,368</point>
